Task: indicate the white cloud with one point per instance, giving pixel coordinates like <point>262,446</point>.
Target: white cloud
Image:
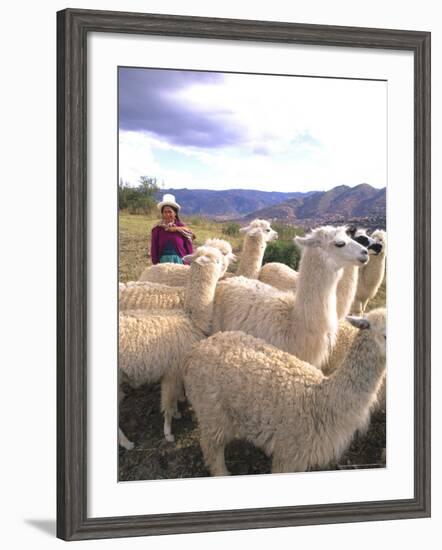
<point>136,157</point>
<point>298,134</point>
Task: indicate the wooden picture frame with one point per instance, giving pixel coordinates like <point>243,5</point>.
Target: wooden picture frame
<point>73,27</point>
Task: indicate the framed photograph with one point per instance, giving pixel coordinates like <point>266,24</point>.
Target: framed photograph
<point>186,141</point>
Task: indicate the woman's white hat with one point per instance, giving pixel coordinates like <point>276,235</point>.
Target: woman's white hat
<point>168,200</point>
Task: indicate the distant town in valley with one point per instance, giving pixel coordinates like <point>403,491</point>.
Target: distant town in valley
<point>362,205</point>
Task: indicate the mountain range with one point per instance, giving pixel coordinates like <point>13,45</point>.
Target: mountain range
<point>227,204</point>
<point>343,204</point>
<point>362,204</point>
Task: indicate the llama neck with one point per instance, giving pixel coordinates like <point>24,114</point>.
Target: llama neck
<point>346,290</point>
<point>374,270</point>
<point>251,257</point>
<point>378,264</point>
<point>352,388</point>
<point>314,308</point>
<point>199,296</point>
<point>316,290</point>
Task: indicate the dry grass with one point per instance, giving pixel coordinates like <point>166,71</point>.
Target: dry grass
<point>134,241</point>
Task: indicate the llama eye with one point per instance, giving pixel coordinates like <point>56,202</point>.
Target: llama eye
<point>268,230</point>
<point>340,244</point>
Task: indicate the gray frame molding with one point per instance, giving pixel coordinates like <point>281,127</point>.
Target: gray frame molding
<point>72,29</point>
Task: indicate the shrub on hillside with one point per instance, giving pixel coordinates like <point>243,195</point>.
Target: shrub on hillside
<point>232,228</point>
<point>140,199</point>
<point>285,252</point>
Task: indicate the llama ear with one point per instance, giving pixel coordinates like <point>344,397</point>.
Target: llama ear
<point>306,241</point>
<point>351,230</point>
<point>358,322</point>
<point>231,257</point>
<point>202,260</point>
<point>244,229</point>
<point>188,259</point>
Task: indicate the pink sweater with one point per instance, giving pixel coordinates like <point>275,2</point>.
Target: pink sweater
<point>161,238</point>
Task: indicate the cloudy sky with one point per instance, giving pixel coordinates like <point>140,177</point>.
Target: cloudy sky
<point>204,130</point>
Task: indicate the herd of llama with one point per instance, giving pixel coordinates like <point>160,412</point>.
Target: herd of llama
<point>290,361</point>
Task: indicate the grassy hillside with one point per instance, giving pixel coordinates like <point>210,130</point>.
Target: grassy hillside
<point>134,240</point>
<point>134,244</point>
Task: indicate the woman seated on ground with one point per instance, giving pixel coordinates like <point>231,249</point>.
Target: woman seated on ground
<point>171,239</point>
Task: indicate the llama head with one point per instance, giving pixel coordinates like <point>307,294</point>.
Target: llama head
<point>226,250</point>
<point>260,230</point>
<point>380,243</point>
<point>336,244</point>
<point>223,246</point>
<point>375,322</point>
<point>361,236</point>
<point>207,258</point>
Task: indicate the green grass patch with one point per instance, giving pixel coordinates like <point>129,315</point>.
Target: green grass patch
<point>285,252</point>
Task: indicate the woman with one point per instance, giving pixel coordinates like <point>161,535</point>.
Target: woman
<point>171,239</point>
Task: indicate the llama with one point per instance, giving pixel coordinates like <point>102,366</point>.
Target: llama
<point>257,234</point>
<point>304,323</point>
<point>148,295</point>
<point>240,386</point>
<point>285,278</point>
<point>348,282</point>
<point>177,274</point>
<point>371,276</point>
<point>152,344</point>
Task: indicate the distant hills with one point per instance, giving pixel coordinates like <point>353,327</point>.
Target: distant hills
<point>362,204</point>
<point>228,204</point>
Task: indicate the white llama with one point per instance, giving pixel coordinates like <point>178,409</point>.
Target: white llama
<point>371,276</point>
<point>284,278</point>
<point>256,236</point>
<point>304,323</point>
<point>240,386</point>
<point>152,344</point>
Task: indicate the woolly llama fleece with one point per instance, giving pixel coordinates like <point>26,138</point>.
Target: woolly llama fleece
<point>240,386</point>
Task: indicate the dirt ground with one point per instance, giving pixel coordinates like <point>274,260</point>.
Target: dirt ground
<point>154,458</point>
